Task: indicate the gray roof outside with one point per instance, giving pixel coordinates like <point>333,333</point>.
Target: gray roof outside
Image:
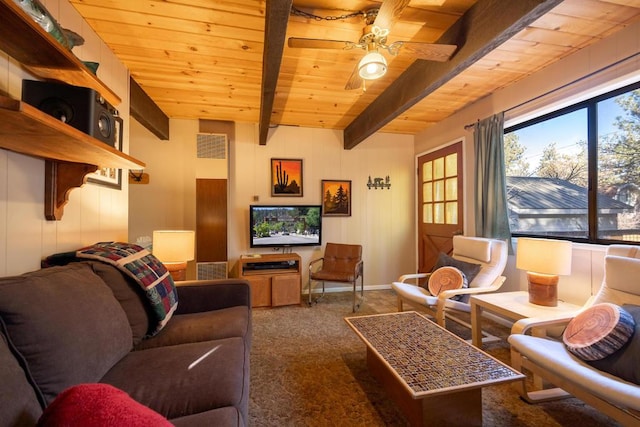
<point>554,194</point>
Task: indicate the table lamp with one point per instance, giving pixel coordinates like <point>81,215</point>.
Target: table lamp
<point>174,248</point>
<point>544,260</point>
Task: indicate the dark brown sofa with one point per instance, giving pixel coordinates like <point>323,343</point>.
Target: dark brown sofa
<point>86,322</point>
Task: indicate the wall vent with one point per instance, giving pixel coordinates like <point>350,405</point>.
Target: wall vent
<point>212,146</point>
<point>211,270</point>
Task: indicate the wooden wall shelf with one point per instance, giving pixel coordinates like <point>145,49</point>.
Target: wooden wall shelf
<point>27,130</point>
<point>28,43</point>
<point>70,153</point>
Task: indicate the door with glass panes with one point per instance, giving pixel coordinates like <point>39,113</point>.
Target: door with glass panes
<point>440,203</point>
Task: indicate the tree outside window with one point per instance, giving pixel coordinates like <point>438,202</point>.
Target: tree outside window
<point>548,170</point>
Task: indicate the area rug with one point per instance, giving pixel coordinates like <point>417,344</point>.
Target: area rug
<point>308,368</point>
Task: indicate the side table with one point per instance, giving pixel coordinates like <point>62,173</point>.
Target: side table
<point>512,305</point>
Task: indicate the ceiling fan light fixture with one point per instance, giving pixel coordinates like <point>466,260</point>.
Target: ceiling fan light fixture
<point>372,66</point>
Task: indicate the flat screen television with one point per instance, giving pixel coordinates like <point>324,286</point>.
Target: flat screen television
<point>272,226</point>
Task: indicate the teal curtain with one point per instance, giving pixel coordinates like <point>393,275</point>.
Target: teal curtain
<point>491,188</point>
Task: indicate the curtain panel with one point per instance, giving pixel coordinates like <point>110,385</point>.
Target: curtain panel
<point>491,190</point>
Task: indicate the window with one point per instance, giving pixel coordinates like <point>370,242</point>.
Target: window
<point>575,173</point>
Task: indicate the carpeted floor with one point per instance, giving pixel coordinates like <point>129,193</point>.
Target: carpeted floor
<point>308,368</point>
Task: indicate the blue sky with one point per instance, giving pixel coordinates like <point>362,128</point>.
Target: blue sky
<point>566,131</point>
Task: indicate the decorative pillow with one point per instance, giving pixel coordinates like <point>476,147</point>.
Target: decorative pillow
<point>131,297</point>
<point>446,278</point>
<point>20,405</point>
<point>624,362</point>
<point>98,405</point>
<point>598,331</point>
<point>138,264</point>
<point>66,325</point>
<point>470,270</point>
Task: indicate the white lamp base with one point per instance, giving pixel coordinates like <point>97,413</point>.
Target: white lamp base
<point>543,289</point>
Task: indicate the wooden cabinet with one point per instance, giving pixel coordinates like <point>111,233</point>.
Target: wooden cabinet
<point>275,279</point>
<point>70,154</point>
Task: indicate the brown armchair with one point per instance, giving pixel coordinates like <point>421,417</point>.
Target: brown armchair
<point>340,263</point>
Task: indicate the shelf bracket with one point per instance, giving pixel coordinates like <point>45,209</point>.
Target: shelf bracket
<point>60,178</point>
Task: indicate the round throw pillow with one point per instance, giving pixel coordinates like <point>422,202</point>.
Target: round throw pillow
<point>446,278</point>
<point>598,332</point>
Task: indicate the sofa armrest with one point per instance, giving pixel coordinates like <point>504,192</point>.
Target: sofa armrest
<point>196,296</point>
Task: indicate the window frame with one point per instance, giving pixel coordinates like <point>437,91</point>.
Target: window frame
<point>591,106</point>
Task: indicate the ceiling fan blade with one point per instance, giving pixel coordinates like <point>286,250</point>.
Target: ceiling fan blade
<point>427,51</point>
<point>320,44</point>
<point>389,12</point>
<point>355,81</point>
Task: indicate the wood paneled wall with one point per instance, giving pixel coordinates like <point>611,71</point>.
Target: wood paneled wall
<point>93,213</point>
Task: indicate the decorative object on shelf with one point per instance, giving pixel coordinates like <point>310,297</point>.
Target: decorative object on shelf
<point>107,176</point>
<point>138,177</point>
<point>92,66</point>
<point>174,248</point>
<point>544,260</point>
<point>379,183</point>
<point>42,17</point>
<point>336,197</point>
<point>286,177</point>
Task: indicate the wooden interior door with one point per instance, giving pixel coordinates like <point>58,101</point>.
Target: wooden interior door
<point>440,203</point>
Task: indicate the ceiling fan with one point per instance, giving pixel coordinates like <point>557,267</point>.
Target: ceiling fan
<point>378,23</point>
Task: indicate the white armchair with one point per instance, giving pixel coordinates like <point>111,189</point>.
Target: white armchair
<point>550,360</point>
<point>491,254</point>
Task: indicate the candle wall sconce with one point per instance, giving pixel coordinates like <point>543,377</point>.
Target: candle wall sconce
<point>376,183</point>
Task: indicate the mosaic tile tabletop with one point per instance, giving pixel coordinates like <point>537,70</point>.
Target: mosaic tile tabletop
<point>428,358</point>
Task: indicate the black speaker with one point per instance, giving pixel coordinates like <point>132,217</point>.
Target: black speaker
<point>80,107</point>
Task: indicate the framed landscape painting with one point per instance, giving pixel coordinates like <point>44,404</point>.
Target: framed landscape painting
<point>336,197</point>
<point>286,177</point>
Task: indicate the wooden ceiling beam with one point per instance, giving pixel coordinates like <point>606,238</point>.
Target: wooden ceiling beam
<point>146,111</point>
<point>276,20</point>
<point>484,27</point>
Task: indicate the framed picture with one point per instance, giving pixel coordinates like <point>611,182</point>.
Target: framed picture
<point>286,177</point>
<point>110,177</point>
<point>336,197</point>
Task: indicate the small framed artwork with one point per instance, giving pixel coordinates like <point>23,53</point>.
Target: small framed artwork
<point>110,177</point>
<point>336,197</point>
<point>286,177</point>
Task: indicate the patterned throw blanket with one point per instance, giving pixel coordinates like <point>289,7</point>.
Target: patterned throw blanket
<point>137,263</point>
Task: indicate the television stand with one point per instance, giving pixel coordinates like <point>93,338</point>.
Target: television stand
<point>275,278</point>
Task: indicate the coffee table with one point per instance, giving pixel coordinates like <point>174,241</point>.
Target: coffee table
<point>434,377</point>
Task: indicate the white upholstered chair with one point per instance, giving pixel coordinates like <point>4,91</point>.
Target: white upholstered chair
<point>549,358</point>
<point>491,254</point>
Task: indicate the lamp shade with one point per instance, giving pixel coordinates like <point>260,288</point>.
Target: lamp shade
<point>372,66</point>
<point>544,256</point>
<point>174,245</point>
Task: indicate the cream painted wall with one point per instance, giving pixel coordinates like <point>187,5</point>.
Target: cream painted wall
<point>161,203</point>
<point>587,259</point>
<point>382,221</point>
<point>93,213</point>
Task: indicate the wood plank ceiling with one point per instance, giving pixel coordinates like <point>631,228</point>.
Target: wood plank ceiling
<point>204,59</point>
